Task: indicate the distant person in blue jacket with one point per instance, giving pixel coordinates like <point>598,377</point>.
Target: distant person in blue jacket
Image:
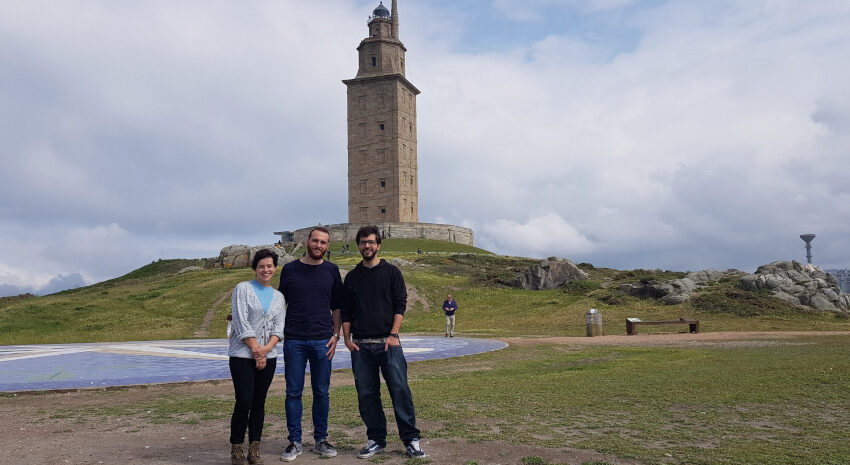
<point>450,307</point>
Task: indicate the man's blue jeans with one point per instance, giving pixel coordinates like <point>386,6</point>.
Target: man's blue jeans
<point>296,354</point>
<point>366,364</point>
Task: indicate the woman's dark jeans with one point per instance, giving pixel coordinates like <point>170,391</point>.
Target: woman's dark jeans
<point>366,364</point>
<point>251,386</point>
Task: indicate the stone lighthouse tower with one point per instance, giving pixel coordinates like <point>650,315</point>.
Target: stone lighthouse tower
<point>382,154</point>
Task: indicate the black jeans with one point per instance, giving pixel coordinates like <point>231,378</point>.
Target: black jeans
<point>251,386</point>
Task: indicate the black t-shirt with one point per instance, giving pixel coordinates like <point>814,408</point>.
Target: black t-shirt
<point>311,292</point>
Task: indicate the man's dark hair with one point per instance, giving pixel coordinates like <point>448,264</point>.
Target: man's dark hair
<point>367,230</point>
<point>261,254</point>
<point>319,228</point>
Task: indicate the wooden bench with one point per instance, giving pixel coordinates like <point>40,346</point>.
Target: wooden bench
<point>632,323</point>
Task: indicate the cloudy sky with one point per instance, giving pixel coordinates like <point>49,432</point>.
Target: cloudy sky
<point>681,135</point>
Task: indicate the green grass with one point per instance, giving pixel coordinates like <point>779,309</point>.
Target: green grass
<point>780,401</point>
<point>761,401</point>
<point>150,304</point>
<point>726,298</point>
<point>154,302</point>
<point>499,311</point>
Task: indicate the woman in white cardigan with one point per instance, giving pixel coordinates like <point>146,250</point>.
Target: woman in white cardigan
<point>258,311</point>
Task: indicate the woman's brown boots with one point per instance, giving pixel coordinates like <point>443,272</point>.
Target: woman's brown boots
<point>237,456</point>
<point>254,453</point>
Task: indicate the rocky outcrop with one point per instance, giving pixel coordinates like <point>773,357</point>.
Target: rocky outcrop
<point>805,285</point>
<point>190,269</point>
<point>679,290</point>
<point>549,274</point>
<point>236,256</point>
<point>399,262</point>
<point>802,285</point>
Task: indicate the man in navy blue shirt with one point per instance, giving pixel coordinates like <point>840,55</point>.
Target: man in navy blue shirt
<point>450,307</point>
<point>313,291</point>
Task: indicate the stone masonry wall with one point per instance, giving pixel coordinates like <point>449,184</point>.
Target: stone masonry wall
<point>445,232</point>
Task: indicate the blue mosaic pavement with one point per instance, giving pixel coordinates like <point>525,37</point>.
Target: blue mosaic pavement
<point>68,366</point>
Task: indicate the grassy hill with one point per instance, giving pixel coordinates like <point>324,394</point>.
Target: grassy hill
<point>155,302</point>
<point>777,400</point>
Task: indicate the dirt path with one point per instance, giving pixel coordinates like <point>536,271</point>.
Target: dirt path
<point>35,429</point>
<point>413,296</point>
<point>204,330</point>
<point>47,428</point>
<point>674,339</point>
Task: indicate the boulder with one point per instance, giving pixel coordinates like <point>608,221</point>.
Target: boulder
<point>190,269</point>
<point>802,285</point>
<point>238,256</point>
<point>399,262</point>
<point>549,274</point>
<point>680,290</point>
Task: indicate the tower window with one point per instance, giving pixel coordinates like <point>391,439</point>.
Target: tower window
<point>383,185</point>
<point>383,210</point>
<point>382,126</point>
<point>363,185</point>
<point>374,61</point>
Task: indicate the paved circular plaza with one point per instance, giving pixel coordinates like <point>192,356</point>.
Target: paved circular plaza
<point>69,366</point>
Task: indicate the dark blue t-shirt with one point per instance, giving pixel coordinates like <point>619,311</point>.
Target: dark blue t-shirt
<point>311,292</point>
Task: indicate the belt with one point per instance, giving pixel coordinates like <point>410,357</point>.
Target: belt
<point>370,340</point>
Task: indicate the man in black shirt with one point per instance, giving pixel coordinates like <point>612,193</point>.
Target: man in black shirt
<point>314,295</point>
<point>371,320</point>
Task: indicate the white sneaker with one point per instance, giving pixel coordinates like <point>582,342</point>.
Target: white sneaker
<point>413,450</point>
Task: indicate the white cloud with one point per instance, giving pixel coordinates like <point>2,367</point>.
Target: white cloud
<point>691,142</point>
<point>145,130</point>
<point>545,234</point>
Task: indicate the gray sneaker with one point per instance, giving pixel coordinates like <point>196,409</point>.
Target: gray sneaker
<point>371,449</point>
<point>293,450</point>
<point>325,449</point>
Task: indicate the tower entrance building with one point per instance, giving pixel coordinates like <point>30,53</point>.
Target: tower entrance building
<point>382,154</point>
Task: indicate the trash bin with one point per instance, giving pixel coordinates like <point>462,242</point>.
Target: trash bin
<point>594,323</point>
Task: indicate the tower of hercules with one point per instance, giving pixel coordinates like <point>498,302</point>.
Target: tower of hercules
<point>382,167</point>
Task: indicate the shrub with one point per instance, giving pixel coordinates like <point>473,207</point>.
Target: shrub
<point>648,275</point>
<point>581,287</point>
<point>728,299</point>
<point>612,297</point>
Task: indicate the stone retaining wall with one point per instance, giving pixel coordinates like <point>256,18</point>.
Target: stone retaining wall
<point>346,232</point>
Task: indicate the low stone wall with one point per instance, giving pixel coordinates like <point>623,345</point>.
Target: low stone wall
<point>346,232</point>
